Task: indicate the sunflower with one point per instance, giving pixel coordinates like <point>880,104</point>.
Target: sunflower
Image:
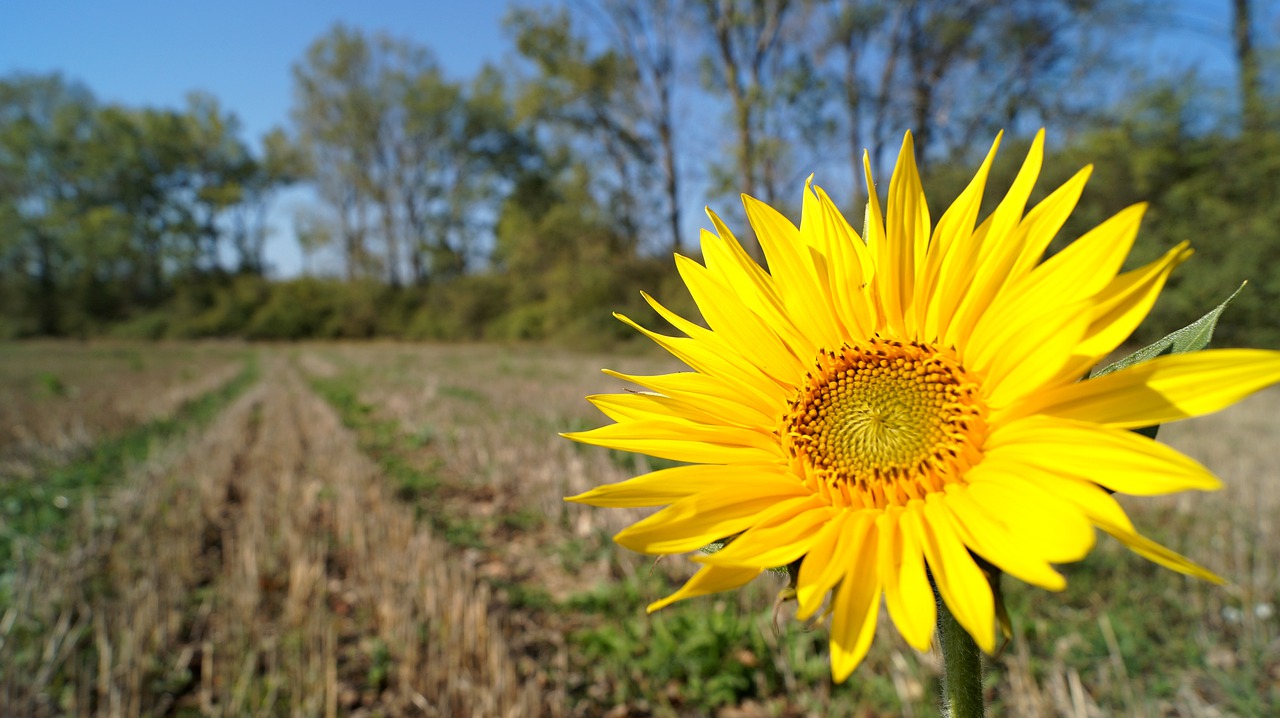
<point>908,405</point>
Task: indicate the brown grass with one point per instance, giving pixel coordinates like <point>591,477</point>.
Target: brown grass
<point>55,401</point>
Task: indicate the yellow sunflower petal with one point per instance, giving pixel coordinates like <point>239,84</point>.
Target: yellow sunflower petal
<point>809,590</point>
<point>962,584</point>
<point>1041,225</point>
<point>778,542</point>
<point>1125,302</point>
<point>683,441</point>
<point>736,257</point>
<point>816,578</point>
<point>907,594</point>
<point>1080,271</point>
<point>853,622</point>
<point>1091,500</point>
<point>1030,352</point>
<point>793,270</point>
<point>1059,532</point>
<point>985,532</point>
<point>644,406</point>
<point>823,254</point>
<point>873,220</point>
<point>952,255</point>
<point>839,250</point>
<point>996,254</point>
<point>706,360</point>
<point>740,328</point>
<point>709,579</point>
<point>907,233</point>
<point>665,486</point>
<point>1120,460</point>
<point>691,387</point>
<point>1156,553</point>
<point>1076,274</point>
<point>707,517</point>
<point>845,234</point>
<point>1167,388</point>
<point>726,258</point>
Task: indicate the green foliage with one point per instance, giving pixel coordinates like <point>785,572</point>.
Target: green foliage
<point>528,202</point>
<point>461,309</point>
<point>700,655</point>
<point>1216,189</point>
<point>104,209</point>
<point>1202,181</point>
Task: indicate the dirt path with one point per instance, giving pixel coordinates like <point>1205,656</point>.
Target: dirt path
<point>263,568</point>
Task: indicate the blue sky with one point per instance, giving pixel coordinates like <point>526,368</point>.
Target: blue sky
<point>153,53</point>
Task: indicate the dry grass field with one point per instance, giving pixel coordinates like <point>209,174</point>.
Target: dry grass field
<point>378,530</point>
<point>57,399</point>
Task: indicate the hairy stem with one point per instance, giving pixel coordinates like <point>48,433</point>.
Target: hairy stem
<point>962,668</point>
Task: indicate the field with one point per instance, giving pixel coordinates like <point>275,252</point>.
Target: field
<point>377,529</point>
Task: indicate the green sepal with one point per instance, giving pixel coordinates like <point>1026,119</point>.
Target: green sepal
<point>1193,337</point>
<point>715,546</point>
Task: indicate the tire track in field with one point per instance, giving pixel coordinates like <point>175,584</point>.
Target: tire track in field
<point>265,568</point>
<point>445,654</point>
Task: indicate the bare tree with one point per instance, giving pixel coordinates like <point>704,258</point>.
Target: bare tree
<point>646,34</point>
<point>851,27</point>
<point>744,37</point>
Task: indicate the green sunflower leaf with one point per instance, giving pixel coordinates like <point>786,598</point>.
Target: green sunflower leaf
<point>1193,337</point>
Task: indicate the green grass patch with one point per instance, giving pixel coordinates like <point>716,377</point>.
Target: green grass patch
<point>697,656</point>
<point>464,394</point>
<point>1117,606</point>
<point>390,447</point>
<point>52,385</point>
<point>524,520</point>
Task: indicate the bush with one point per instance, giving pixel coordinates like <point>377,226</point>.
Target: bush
<point>295,310</point>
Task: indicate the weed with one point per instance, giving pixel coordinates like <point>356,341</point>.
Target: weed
<point>52,385</point>
<point>523,520</point>
<point>465,394</point>
<point>460,532</point>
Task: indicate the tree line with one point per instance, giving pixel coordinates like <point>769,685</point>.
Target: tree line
<point>529,200</point>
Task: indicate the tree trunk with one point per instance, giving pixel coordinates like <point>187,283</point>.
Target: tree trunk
<point>741,109</point>
<point>853,101</point>
<point>1252,110</point>
<point>47,310</point>
<point>672,178</point>
<point>881,111</point>
<point>393,243</point>
<point>921,86</point>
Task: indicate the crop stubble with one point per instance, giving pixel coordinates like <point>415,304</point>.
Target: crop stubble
<point>264,566</point>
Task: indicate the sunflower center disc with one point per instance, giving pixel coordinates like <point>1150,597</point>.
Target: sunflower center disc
<point>882,422</point>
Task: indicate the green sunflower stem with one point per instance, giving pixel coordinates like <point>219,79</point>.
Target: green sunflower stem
<point>962,668</point>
